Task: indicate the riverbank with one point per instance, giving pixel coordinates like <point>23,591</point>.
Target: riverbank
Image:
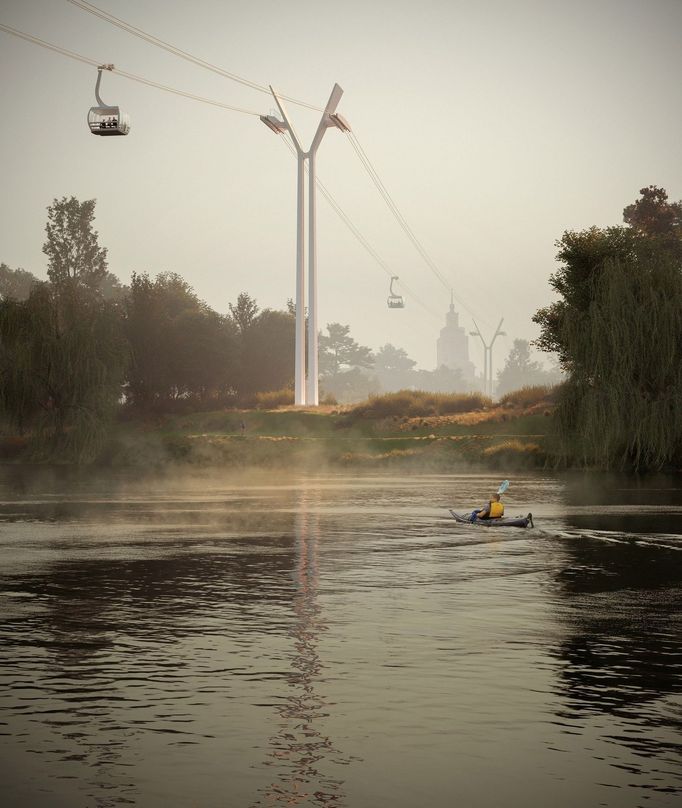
<point>333,436</point>
<point>403,430</point>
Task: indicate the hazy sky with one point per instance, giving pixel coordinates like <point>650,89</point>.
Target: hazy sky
<point>495,125</point>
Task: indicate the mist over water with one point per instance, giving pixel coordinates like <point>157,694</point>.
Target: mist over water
<point>338,640</point>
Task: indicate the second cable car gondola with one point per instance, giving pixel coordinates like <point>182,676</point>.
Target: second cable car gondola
<point>394,301</point>
<point>104,119</point>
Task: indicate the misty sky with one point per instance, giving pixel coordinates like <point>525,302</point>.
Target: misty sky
<point>495,125</point>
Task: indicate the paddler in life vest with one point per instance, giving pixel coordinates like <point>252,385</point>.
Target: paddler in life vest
<point>493,510</point>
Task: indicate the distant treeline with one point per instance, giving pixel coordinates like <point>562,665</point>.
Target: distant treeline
<point>80,346</point>
<point>76,347</point>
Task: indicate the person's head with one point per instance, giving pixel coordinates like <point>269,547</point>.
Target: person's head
<point>496,497</point>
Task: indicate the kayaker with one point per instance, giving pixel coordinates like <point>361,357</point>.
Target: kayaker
<point>493,510</point>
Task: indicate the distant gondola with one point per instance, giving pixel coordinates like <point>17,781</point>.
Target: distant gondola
<point>106,120</point>
<point>395,301</point>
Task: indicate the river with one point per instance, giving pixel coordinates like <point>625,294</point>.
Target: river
<point>338,640</point>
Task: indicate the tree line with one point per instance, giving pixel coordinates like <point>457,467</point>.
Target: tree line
<point>76,347</point>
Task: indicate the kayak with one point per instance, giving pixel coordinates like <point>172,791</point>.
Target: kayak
<point>503,521</point>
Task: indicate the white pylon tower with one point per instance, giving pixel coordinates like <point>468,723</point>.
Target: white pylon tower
<point>488,384</point>
<point>310,395</point>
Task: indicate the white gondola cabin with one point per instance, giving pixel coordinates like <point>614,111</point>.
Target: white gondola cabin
<point>105,119</point>
<point>108,121</point>
<point>394,301</point>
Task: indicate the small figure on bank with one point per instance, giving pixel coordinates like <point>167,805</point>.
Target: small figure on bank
<point>242,427</point>
<point>493,510</point>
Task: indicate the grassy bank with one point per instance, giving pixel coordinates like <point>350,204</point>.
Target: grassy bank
<point>406,430</point>
<point>375,435</point>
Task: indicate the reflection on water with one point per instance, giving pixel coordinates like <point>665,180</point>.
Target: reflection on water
<point>299,750</point>
<point>329,641</point>
<point>622,653</point>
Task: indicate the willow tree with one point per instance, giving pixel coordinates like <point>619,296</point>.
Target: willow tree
<point>62,362</point>
<point>620,405</point>
<point>617,328</point>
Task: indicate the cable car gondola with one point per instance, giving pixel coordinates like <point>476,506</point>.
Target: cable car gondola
<point>394,301</point>
<point>106,120</point>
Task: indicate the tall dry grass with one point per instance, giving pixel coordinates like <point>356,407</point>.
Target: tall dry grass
<point>417,403</point>
<point>272,399</point>
<point>529,396</point>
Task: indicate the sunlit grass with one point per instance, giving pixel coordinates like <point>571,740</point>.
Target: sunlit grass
<point>529,397</point>
<point>415,403</point>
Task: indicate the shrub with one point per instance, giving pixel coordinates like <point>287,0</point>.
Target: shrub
<point>417,403</point>
<point>528,396</point>
<point>272,399</point>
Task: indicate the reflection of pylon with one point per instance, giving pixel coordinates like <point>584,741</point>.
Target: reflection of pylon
<point>299,745</point>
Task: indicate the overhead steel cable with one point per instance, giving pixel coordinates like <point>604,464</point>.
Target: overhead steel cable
<point>182,54</point>
<point>383,191</point>
<point>140,79</point>
<point>361,238</point>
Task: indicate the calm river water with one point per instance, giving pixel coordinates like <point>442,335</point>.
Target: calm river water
<point>338,640</point>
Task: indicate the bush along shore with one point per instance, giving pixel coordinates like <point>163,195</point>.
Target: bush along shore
<point>406,429</point>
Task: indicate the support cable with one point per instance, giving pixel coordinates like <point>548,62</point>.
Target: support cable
<point>140,79</point>
<point>390,202</point>
<point>361,238</point>
<point>182,54</point>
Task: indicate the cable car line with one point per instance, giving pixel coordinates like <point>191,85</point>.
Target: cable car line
<point>361,238</point>
<point>160,43</point>
<point>91,8</point>
<point>140,79</point>
<point>212,102</point>
<point>376,179</point>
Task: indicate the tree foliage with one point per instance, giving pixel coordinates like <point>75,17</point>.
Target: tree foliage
<point>389,359</point>
<point>620,406</point>
<point>267,353</point>
<point>653,216</point>
<point>72,246</point>
<point>617,328</point>
<point>16,283</point>
<point>244,312</point>
<point>180,347</point>
<point>522,371</point>
<point>62,364</point>
<point>340,352</point>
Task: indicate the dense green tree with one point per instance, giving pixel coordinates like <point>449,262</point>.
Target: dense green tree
<point>16,283</point>
<point>655,229</point>
<point>72,247</point>
<point>112,289</point>
<point>180,347</point>
<point>338,351</point>
<point>582,255</point>
<point>617,330</point>
<point>267,359</point>
<point>62,363</point>
<point>620,404</point>
<point>652,215</point>
<point>244,312</point>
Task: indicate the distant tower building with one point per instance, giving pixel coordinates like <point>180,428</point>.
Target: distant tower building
<point>452,348</point>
